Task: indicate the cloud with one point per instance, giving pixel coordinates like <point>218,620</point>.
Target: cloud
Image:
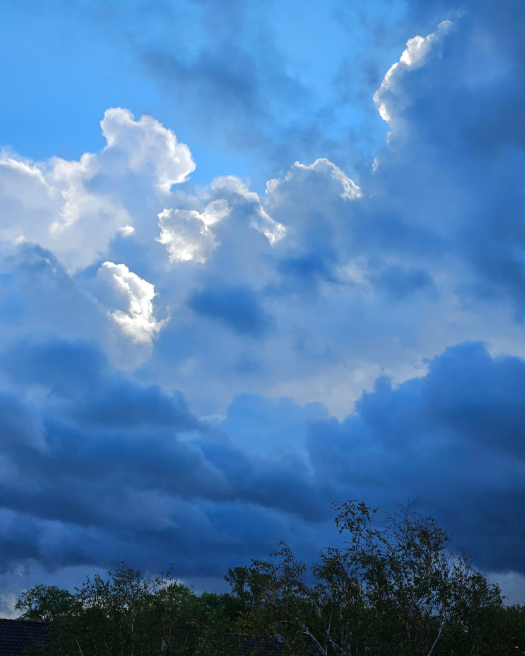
<point>152,467</point>
<point>187,234</point>
<point>451,439</point>
<point>418,49</point>
<point>311,201</point>
<point>164,480</point>
<point>354,336</point>
<point>250,202</point>
<point>400,283</point>
<point>126,231</point>
<point>75,208</point>
<point>191,235</point>
<point>321,168</point>
<point>144,146</point>
<point>37,295</point>
<point>236,307</point>
<point>130,299</point>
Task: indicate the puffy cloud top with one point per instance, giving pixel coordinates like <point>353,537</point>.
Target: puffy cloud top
<point>131,301</point>
<point>76,208</point>
<point>391,93</point>
<point>187,234</point>
<point>145,147</point>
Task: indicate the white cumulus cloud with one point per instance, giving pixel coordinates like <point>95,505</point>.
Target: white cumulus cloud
<point>190,234</point>
<point>414,56</point>
<point>187,234</point>
<point>75,208</point>
<point>322,168</point>
<point>145,146</point>
<point>129,299</point>
<point>126,231</point>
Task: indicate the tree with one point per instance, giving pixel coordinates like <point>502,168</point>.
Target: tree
<point>128,613</point>
<point>45,603</point>
<point>392,588</point>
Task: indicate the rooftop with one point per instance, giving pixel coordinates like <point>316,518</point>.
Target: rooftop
<point>17,635</point>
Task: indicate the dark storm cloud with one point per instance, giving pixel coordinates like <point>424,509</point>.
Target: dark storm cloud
<point>100,460</point>
<point>452,439</point>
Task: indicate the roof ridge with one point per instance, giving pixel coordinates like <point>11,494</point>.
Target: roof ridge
<point>19,620</point>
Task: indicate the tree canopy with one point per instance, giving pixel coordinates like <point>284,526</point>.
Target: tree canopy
<point>391,587</point>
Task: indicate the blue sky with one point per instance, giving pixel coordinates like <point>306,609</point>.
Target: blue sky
<point>69,62</point>
<point>256,257</point>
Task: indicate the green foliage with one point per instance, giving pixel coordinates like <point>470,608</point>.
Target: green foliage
<point>45,603</point>
<point>392,587</point>
<point>127,613</point>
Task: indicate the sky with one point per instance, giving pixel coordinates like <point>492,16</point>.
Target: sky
<point>257,257</point>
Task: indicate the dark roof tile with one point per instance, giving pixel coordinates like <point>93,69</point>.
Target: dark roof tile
<point>17,635</point>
